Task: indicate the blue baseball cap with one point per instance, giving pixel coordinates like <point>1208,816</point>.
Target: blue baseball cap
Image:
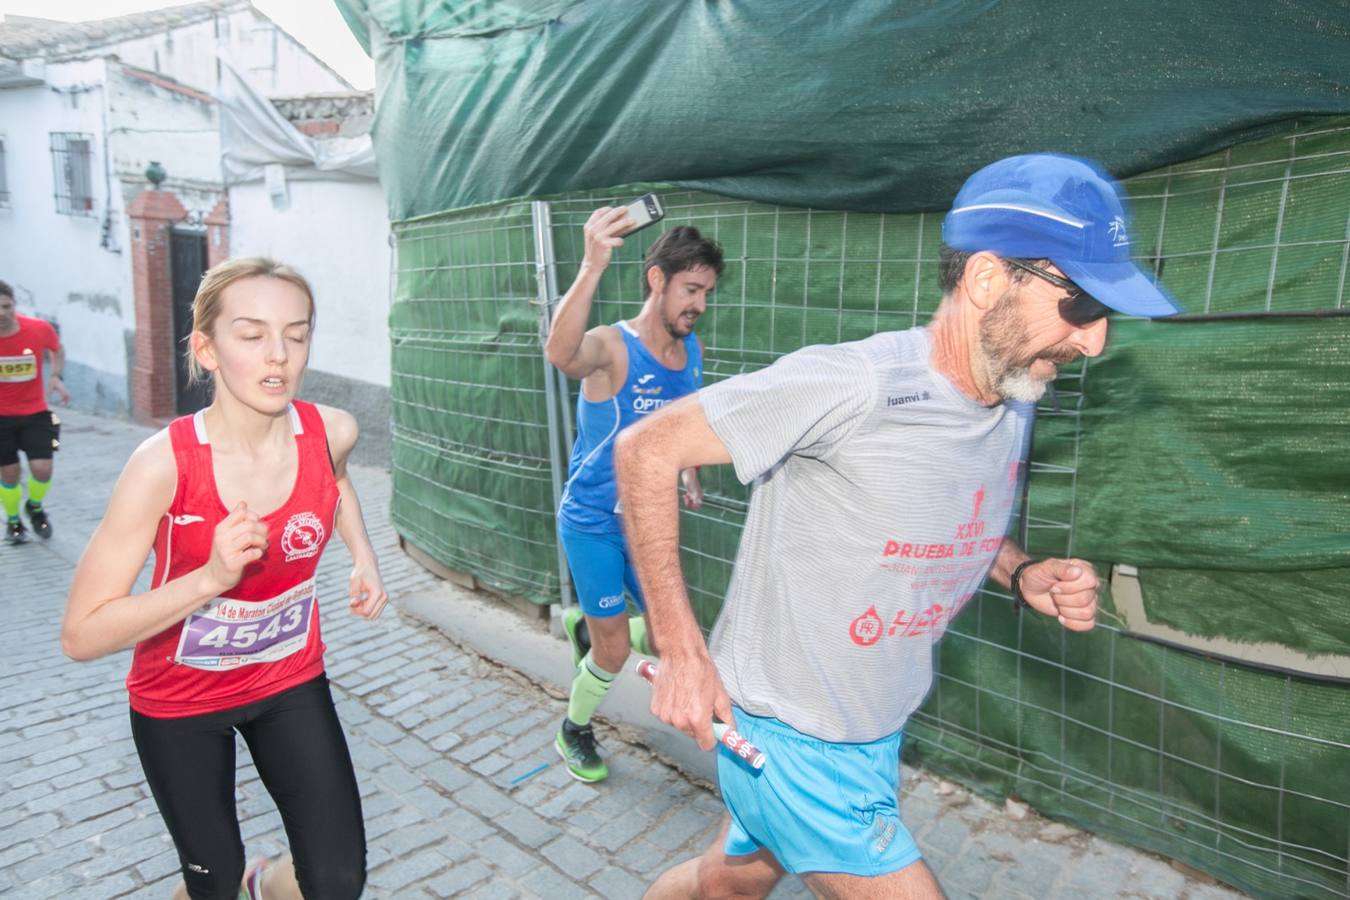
<point>1060,208</point>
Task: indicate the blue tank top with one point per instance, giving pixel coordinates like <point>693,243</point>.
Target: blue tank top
<point>590,500</point>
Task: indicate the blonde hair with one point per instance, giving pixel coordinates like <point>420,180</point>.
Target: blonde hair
<point>206,305</point>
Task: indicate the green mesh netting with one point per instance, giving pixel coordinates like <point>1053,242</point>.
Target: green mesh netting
<point>1233,770</point>
<point>1240,771</point>
<point>472,482</point>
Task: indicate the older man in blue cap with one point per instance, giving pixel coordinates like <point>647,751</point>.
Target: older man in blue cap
<point>886,472</point>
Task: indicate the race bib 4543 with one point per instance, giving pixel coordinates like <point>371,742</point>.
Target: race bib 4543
<point>230,633</point>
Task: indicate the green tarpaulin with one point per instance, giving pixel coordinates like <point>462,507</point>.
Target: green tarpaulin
<point>832,104</point>
<point>1258,479</point>
<point>1216,458</point>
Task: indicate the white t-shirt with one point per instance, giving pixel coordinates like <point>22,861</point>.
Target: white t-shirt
<point>882,495</point>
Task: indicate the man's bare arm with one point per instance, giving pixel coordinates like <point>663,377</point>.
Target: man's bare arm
<point>648,458</point>
<point>570,347</point>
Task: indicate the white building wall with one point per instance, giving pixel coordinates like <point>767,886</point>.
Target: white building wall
<point>73,270</point>
<point>298,72</point>
<point>153,122</point>
<point>278,64</point>
<point>337,235</point>
<point>186,54</point>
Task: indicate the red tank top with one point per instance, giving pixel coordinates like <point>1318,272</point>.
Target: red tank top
<point>21,357</point>
<point>262,636</point>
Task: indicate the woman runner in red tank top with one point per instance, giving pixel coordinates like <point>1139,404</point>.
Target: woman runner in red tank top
<point>237,502</point>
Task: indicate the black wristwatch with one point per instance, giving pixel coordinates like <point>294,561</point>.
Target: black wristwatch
<point>1015,582</point>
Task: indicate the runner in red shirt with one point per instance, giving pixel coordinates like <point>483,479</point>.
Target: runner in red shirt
<point>26,423</point>
<point>237,502</point>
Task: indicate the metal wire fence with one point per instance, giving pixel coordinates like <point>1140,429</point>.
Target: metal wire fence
<point>471,454</point>
<point>1241,771</point>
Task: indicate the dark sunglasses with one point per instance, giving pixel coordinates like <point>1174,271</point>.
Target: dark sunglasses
<point>1079,308</point>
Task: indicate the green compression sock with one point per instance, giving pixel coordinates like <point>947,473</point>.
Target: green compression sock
<point>637,636</point>
<point>37,490</point>
<point>10,498</point>
<point>588,690</point>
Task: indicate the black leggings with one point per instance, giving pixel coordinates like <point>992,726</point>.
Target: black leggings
<point>301,755</point>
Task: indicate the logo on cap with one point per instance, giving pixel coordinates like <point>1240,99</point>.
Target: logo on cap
<point>1117,232</point>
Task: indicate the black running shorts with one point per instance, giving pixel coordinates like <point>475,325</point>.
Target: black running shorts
<point>37,436</point>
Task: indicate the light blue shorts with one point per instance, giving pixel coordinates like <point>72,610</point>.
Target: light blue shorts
<point>817,806</point>
<point>601,569</point>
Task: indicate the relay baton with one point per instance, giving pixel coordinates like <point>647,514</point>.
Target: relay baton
<point>728,736</point>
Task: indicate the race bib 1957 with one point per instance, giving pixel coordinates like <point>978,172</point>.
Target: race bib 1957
<point>18,368</point>
<point>230,633</point>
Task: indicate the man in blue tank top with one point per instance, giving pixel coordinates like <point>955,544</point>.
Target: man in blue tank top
<point>627,370</point>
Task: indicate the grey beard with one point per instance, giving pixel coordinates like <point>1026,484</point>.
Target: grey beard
<point>1011,382</point>
<point>1021,385</point>
<point>1001,333</point>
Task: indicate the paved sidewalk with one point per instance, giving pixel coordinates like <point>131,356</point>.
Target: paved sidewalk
<point>463,793</point>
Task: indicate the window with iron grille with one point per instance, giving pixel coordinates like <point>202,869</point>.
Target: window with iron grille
<point>4,181</point>
<point>71,154</point>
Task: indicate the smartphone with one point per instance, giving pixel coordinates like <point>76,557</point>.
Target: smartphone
<point>644,211</point>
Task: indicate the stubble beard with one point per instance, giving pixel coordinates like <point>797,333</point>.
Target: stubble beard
<point>1002,356</point>
<point>674,327</point>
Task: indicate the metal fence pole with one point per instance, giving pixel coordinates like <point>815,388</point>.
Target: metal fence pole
<point>563,391</point>
<point>545,270</point>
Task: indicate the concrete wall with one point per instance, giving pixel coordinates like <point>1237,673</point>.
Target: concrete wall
<point>368,402</point>
<point>337,234</point>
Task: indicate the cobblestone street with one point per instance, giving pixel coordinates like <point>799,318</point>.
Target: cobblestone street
<point>463,793</point>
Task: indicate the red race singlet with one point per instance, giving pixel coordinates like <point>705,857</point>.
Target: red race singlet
<point>262,636</point>
<point>21,357</point>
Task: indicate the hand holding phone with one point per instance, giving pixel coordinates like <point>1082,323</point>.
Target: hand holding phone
<point>605,229</point>
<point>644,211</point>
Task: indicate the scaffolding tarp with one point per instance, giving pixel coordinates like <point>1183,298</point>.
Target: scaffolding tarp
<point>861,105</point>
<point>1220,445</point>
<point>1216,458</point>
